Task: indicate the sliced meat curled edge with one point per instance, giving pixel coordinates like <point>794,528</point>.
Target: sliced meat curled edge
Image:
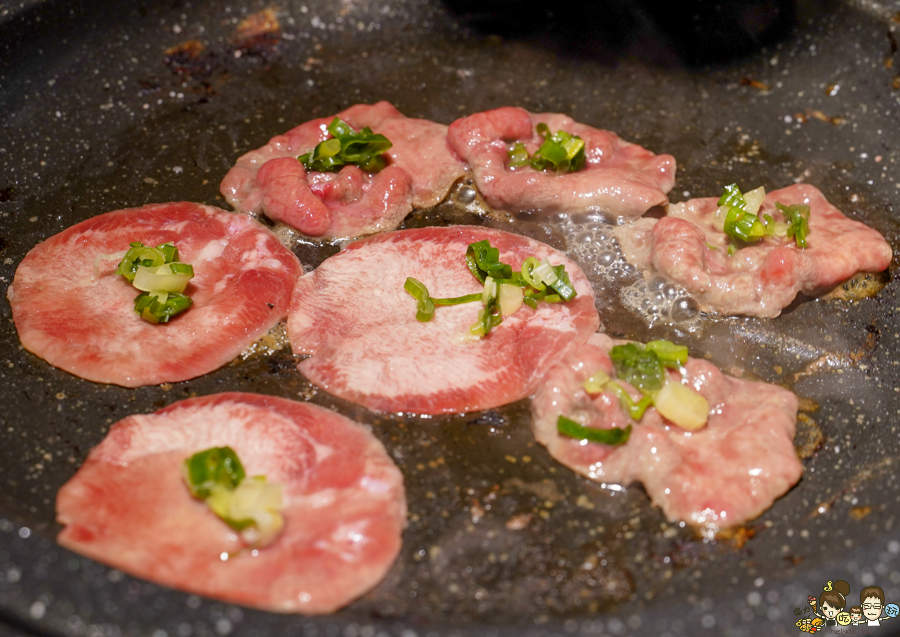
<point>761,279</point>
<point>421,169</point>
<point>354,318</point>
<point>619,179</point>
<point>83,321</point>
<point>344,503</point>
<point>722,475</point>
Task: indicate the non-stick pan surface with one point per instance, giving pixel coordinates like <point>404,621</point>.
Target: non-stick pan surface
<point>96,116</point>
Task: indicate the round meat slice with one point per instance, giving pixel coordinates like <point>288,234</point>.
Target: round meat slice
<point>761,279</point>
<point>344,504</point>
<point>80,317</point>
<point>421,169</point>
<point>354,318</point>
<point>719,476</point>
<point>619,179</point>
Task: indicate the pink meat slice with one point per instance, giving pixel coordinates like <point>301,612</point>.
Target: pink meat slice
<point>720,476</point>
<point>345,506</point>
<point>84,321</point>
<point>421,169</point>
<point>620,179</point>
<point>763,278</point>
<point>354,318</point>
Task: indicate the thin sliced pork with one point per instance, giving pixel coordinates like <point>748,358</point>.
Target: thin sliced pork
<point>761,279</point>
<point>344,503</point>
<point>82,320</point>
<point>421,169</point>
<point>722,475</point>
<point>619,179</point>
<point>354,318</point>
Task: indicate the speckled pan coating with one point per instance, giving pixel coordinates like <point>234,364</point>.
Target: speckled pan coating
<point>501,540</point>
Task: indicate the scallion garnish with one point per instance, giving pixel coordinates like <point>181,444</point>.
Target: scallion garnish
<point>162,279</point>
<point>638,366</point>
<point>218,467</point>
<point>643,366</point>
<point>539,281</point>
<point>797,218</point>
<point>346,146</point>
<point>740,222</point>
<point>484,261</point>
<point>149,257</point>
<point>669,354</point>
<point>561,151</point>
<point>249,505</point>
<point>611,436</point>
<point>158,307</point>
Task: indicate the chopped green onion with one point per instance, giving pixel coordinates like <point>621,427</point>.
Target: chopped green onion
<point>483,260</point>
<point>345,147</point>
<point>635,409</point>
<point>612,436</point>
<point>638,366</point>
<point>171,277</point>
<point>797,218</point>
<point>563,285</point>
<point>561,151</point>
<point>458,300</point>
<point>251,506</point>
<point>595,382</point>
<point>669,354</point>
<point>740,222</point>
<point>509,299</point>
<point>528,266</point>
<point>518,156</point>
<point>424,305</point>
<point>731,250</point>
<point>218,467</point>
<point>141,255</point>
<point>733,198</point>
<point>159,307</point>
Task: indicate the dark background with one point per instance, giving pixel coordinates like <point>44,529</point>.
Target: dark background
<point>95,115</point>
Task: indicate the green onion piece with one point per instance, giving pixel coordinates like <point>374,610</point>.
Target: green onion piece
<point>733,198</point>
<point>483,260</point>
<point>159,307</point>
<point>214,468</point>
<point>346,147</point>
<point>797,218</point>
<point>595,382</point>
<point>563,285</point>
<point>171,277</point>
<point>247,504</point>
<point>770,224</point>
<point>669,354</point>
<point>739,222</point>
<point>612,436</point>
<point>518,156</point>
<point>424,305</point>
<point>711,246</point>
<point>561,151</point>
<point>139,255</point>
<point>635,409</point>
<point>170,252</point>
<point>530,302</point>
<point>731,250</point>
<point>458,300</point>
<point>528,266</point>
<point>638,366</point>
